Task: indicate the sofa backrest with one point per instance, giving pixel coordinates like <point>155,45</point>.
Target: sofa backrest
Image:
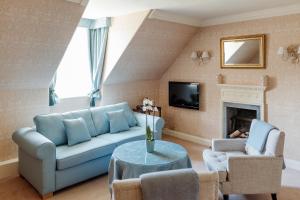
<point>101,120</point>
<point>52,127</point>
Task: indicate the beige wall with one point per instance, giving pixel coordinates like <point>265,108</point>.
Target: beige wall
<point>33,37</point>
<point>17,108</point>
<point>133,92</point>
<point>283,97</point>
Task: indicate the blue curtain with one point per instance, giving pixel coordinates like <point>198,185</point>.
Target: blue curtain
<point>97,45</point>
<point>53,98</point>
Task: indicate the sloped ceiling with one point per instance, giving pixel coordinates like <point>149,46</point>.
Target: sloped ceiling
<point>151,51</point>
<point>33,37</point>
<point>121,32</point>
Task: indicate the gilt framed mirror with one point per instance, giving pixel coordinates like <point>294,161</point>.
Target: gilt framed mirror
<point>243,51</point>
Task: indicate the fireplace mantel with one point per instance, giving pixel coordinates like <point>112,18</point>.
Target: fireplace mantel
<point>243,94</point>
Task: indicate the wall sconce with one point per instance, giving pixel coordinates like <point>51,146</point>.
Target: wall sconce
<point>290,53</point>
<point>202,57</point>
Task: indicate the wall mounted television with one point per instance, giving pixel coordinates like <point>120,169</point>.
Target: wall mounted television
<point>184,94</point>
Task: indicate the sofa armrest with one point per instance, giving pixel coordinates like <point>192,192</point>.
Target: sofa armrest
<point>228,144</point>
<point>34,143</point>
<point>255,174</point>
<point>158,123</point>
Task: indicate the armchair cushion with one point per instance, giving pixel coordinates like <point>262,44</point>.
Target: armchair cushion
<point>228,144</point>
<point>258,135</point>
<point>217,161</point>
<point>77,131</point>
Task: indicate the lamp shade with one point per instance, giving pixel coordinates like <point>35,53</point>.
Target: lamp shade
<point>205,54</point>
<point>194,55</point>
<point>280,51</point>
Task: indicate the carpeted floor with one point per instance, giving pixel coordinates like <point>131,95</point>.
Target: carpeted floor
<point>97,188</point>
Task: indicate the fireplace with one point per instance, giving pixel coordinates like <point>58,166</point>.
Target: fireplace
<point>240,104</point>
<point>237,119</point>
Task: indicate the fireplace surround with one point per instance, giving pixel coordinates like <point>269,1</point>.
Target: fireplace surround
<point>242,98</point>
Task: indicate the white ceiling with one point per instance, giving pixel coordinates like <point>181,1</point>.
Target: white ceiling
<point>196,12</point>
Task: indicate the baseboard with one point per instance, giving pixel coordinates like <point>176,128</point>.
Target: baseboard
<point>187,137</point>
<point>9,169</point>
<point>292,164</point>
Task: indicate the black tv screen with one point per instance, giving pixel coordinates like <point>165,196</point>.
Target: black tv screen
<point>184,94</point>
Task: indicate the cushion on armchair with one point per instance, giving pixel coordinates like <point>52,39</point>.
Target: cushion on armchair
<point>76,130</point>
<point>259,132</point>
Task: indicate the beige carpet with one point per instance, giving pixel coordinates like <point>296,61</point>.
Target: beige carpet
<point>97,189</point>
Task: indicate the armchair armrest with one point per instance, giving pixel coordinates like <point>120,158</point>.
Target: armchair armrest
<point>158,123</point>
<point>255,174</point>
<point>228,144</point>
<point>34,143</point>
<point>131,188</point>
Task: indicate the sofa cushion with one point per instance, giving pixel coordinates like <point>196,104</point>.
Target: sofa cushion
<point>117,121</point>
<point>69,156</point>
<point>87,116</point>
<point>133,134</point>
<point>52,127</point>
<point>101,121</point>
<point>76,130</point>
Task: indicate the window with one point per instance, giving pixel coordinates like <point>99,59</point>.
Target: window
<point>73,74</point>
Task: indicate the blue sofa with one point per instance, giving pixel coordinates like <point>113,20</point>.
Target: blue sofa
<point>49,164</point>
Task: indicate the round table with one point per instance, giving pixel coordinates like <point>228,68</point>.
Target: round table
<point>130,160</point>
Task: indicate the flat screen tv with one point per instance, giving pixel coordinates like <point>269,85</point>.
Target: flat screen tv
<point>184,94</point>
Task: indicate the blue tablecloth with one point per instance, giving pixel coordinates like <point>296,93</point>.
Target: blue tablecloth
<point>130,160</point>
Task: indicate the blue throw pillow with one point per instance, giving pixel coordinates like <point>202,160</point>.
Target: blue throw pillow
<point>117,121</point>
<point>77,131</point>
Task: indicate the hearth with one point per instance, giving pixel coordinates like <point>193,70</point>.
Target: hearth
<point>237,119</point>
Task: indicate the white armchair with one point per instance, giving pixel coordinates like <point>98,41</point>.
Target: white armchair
<point>245,171</point>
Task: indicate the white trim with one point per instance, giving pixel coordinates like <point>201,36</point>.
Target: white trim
<point>9,169</point>
<point>259,14</point>
<point>173,17</point>
<point>293,164</point>
<point>81,2</point>
<point>187,137</point>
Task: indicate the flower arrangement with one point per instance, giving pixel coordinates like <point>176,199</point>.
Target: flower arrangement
<point>149,108</point>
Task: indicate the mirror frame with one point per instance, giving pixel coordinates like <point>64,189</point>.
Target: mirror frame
<point>262,57</point>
